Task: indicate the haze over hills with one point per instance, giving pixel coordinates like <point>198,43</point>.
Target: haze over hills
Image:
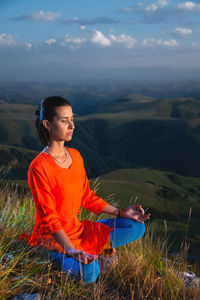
<point>86,95</point>
<point>78,72</point>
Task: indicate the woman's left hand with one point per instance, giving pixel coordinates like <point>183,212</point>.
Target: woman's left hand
<point>136,213</point>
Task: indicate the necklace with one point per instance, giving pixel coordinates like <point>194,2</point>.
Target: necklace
<point>60,162</point>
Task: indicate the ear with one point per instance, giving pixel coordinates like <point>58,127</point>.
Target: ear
<point>46,124</point>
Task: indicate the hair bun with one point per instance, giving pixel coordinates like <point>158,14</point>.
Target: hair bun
<point>37,112</point>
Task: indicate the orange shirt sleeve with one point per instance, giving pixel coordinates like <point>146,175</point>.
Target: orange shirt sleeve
<point>44,200</point>
<point>91,201</point>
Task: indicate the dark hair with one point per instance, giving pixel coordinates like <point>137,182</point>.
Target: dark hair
<point>48,107</point>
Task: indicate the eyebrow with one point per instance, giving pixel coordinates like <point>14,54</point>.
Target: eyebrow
<point>66,117</point>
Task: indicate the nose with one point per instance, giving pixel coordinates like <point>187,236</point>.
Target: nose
<point>71,125</point>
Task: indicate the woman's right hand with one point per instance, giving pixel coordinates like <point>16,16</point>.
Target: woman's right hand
<point>81,256</point>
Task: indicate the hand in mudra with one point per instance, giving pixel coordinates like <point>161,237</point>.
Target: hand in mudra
<point>136,213</point>
<point>81,256</point>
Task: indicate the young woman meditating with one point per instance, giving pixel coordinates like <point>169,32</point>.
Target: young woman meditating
<point>60,187</point>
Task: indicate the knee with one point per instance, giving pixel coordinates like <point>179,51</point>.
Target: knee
<point>90,272</point>
<point>138,228</point>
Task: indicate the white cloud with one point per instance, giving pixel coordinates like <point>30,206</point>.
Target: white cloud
<point>151,42</point>
<point>28,46</point>
<point>74,40</point>
<point>189,6</point>
<point>148,42</point>
<point>100,39</point>
<point>6,40</point>
<point>159,4</point>
<point>183,31</point>
<point>42,16</point>
<point>82,27</point>
<point>170,43</point>
<point>156,5</point>
<point>125,40</point>
<point>50,41</point>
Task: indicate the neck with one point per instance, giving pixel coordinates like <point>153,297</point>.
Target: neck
<point>56,148</point>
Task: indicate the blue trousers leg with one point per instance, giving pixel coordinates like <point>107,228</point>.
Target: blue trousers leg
<point>89,272</point>
<point>125,231</point>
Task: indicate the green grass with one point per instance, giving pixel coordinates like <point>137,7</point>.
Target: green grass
<point>143,270</point>
<point>168,197</point>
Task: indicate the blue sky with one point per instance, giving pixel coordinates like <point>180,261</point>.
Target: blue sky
<point>53,39</point>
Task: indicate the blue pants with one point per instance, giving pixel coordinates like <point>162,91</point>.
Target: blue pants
<point>124,232</point>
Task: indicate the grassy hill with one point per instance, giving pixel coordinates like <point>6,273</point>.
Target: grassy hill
<point>14,162</point>
<point>143,107</point>
<point>167,196</point>
<point>134,130</point>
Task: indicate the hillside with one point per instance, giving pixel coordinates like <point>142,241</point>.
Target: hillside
<point>167,196</point>
<point>133,131</point>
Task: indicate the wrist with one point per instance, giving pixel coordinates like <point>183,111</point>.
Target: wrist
<point>69,251</point>
<point>120,213</point>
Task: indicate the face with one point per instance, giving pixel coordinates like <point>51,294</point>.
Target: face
<point>62,126</point>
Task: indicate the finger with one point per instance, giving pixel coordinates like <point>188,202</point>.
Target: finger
<point>90,261</point>
<point>136,206</point>
<point>137,219</point>
<point>139,207</point>
<point>145,217</point>
<point>91,258</point>
<point>77,257</point>
<point>80,258</point>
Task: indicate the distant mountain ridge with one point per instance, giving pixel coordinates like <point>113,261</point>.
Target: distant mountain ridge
<point>131,131</point>
<point>85,95</point>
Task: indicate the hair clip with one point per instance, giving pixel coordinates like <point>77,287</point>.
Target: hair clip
<point>41,110</point>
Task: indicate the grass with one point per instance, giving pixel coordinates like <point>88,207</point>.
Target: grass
<point>143,270</point>
<point>168,196</point>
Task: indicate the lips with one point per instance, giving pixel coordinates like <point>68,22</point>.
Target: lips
<point>70,133</point>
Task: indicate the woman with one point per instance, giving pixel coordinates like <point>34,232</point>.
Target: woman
<point>59,186</point>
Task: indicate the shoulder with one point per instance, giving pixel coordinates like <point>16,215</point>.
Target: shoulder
<point>76,157</point>
<point>74,152</point>
<point>39,162</point>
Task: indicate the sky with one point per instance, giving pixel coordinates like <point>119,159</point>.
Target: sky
<point>76,39</point>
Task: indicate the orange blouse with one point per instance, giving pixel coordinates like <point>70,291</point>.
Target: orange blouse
<point>59,194</point>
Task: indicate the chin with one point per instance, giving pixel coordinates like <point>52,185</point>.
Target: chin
<point>69,138</point>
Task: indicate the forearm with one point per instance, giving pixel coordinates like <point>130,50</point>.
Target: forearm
<point>62,238</point>
<point>111,210</point>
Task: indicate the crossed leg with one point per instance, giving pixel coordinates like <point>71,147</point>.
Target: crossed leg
<point>124,231</point>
